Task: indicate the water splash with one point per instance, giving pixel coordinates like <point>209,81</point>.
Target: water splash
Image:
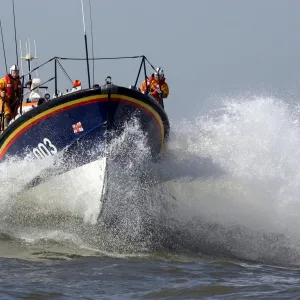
<point>243,179</point>
<point>64,213</point>
<point>227,184</point>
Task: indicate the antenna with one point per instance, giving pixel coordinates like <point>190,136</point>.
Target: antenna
<point>28,57</point>
<point>92,41</point>
<point>29,46</point>
<point>21,59</point>
<point>86,48</point>
<point>37,74</point>
<point>3,47</point>
<point>16,44</point>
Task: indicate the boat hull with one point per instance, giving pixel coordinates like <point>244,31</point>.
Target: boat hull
<point>79,122</point>
<point>77,192</point>
<point>79,126</point>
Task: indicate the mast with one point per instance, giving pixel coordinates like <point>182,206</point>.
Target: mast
<point>86,47</point>
<point>92,42</point>
<point>3,47</point>
<point>16,45</point>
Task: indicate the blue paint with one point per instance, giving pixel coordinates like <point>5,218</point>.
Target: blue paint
<point>95,117</point>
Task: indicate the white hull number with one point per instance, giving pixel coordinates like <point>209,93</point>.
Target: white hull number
<point>44,149</point>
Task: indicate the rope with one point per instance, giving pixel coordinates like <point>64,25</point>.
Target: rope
<point>65,72</point>
<point>100,58</point>
<point>38,67</point>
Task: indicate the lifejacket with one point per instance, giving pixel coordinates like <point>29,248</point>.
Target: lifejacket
<point>151,78</point>
<point>10,91</point>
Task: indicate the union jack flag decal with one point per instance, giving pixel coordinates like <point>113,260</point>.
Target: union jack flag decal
<point>77,127</point>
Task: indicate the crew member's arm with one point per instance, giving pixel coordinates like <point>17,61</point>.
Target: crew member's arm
<point>165,90</point>
<point>143,86</point>
<point>2,84</point>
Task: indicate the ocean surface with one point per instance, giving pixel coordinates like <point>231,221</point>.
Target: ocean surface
<point>216,217</point>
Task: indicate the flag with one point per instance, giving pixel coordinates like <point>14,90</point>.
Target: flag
<point>77,127</point>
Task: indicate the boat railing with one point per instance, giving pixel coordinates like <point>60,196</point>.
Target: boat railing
<point>57,61</point>
<point>57,64</point>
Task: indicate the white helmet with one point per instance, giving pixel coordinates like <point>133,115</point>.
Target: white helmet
<point>160,72</point>
<point>13,68</point>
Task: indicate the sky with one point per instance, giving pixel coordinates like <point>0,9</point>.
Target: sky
<point>208,48</point>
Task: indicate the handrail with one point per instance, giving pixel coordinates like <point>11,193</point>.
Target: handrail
<point>57,59</point>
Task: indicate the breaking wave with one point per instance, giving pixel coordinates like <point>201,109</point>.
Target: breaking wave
<point>244,201</point>
<point>227,185</point>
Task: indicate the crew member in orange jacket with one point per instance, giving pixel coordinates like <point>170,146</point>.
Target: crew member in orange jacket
<point>5,109</point>
<point>156,85</point>
<point>13,86</point>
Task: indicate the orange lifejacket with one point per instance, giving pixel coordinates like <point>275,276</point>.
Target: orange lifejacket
<point>149,80</point>
<point>152,84</point>
<point>13,87</point>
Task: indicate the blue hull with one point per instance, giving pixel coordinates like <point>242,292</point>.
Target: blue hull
<point>79,122</point>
